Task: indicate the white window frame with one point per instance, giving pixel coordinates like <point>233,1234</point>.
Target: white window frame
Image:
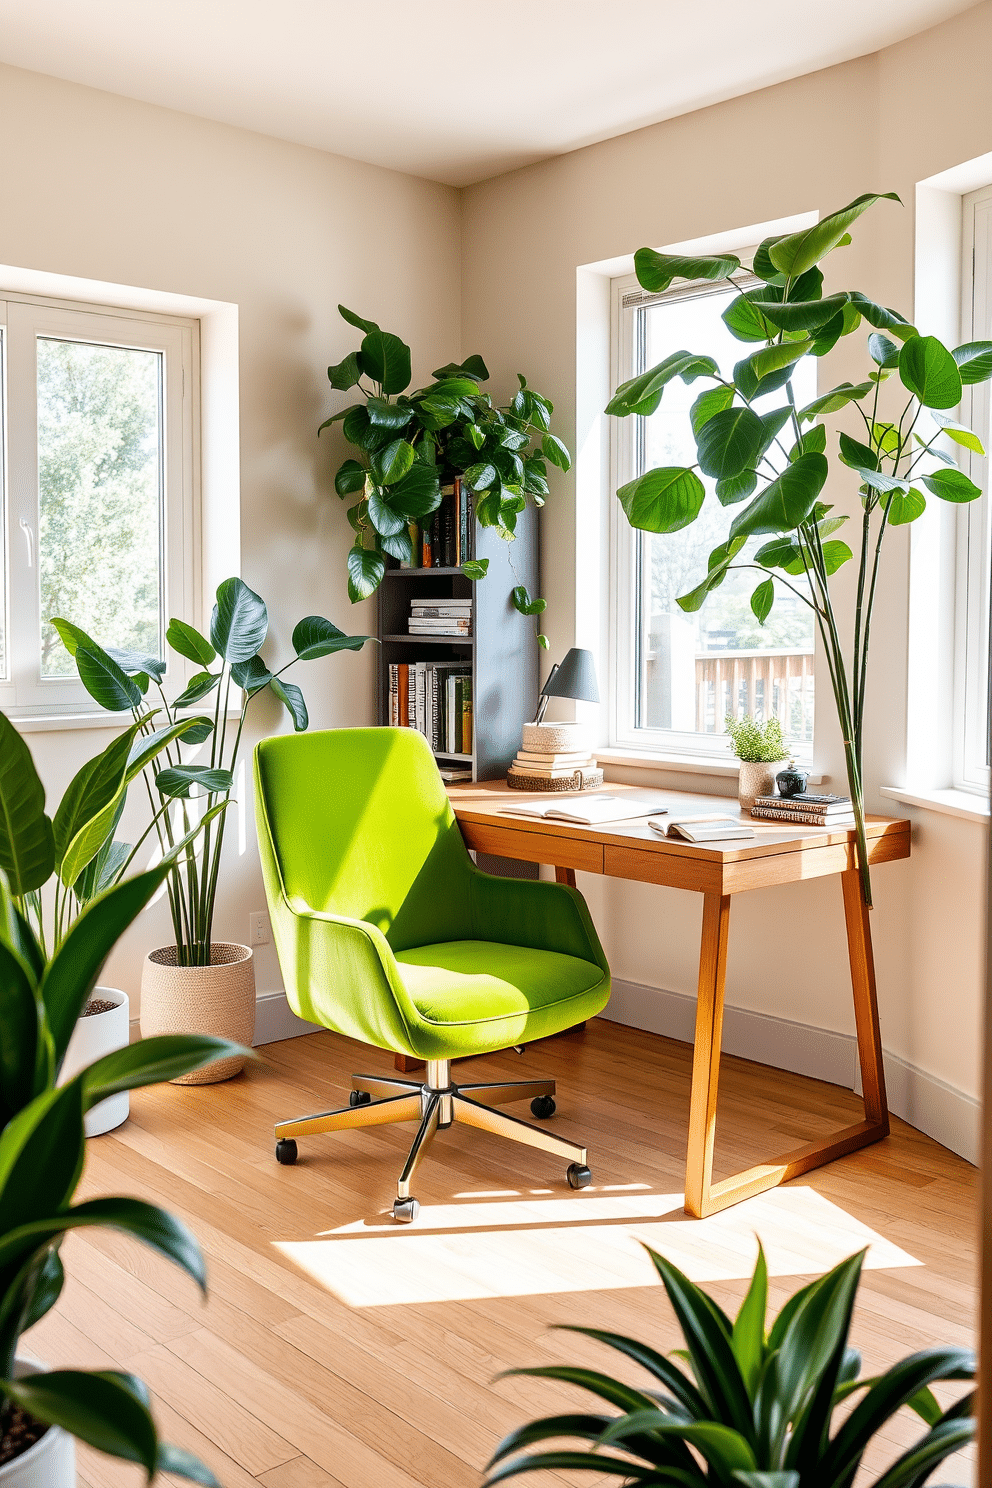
<point>26,693</point>
<point>974,521</point>
<point>626,296</point>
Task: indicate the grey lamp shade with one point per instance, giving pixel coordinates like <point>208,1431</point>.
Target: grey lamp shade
<point>574,678</point>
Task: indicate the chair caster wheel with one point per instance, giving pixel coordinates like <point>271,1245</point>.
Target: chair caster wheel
<point>359,1098</point>
<point>543,1106</point>
<point>578,1175</point>
<point>286,1151</point>
<point>405,1211</point>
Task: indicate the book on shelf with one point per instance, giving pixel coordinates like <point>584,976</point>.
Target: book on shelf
<point>804,818</point>
<point>436,699</point>
<point>441,609</point>
<point>443,540</point>
<point>807,802</point>
<point>452,774</point>
<point>566,757</point>
<point>461,628</point>
<point>567,767</point>
<point>708,826</point>
<point>592,812</point>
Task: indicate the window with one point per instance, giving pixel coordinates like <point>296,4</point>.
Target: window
<point>974,537</point>
<point>677,676</point>
<point>99,493</point>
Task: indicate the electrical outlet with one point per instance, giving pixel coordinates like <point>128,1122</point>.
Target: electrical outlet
<point>260,928</point>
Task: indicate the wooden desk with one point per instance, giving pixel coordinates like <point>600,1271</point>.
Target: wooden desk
<point>778,854</point>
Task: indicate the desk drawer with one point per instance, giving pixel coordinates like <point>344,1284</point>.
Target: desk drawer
<point>673,869</point>
<point>533,847</point>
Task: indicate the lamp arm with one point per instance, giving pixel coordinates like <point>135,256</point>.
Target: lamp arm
<point>542,706</point>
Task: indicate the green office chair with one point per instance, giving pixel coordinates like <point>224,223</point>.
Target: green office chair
<point>387,932</point>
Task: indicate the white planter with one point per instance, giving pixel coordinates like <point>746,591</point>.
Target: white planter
<point>757,779</point>
<point>93,1037</point>
<point>217,999</point>
<point>50,1463</point>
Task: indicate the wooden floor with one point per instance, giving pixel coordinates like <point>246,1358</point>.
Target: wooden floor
<point>337,1348</point>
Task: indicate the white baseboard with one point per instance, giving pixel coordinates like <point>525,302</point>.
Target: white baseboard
<point>275,1020</point>
<point>948,1115</point>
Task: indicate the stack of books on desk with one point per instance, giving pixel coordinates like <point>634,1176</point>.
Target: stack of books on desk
<point>808,810</point>
<point>554,766</point>
<point>441,617</point>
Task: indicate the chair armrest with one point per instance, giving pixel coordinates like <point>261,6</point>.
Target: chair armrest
<point>545,916</point>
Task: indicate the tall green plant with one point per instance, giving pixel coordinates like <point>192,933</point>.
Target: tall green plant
<point>779,462</point>
<point>42,1143</point>
<point>411,444</point>
<point>120,681</point>
<point>755,1409</point>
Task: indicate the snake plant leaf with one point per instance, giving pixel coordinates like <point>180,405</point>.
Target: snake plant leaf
<point>951,484</point>
<point>188,641</point>
<point>344,374</point>
<point>815,1339</point>
<point>723,1448</point>
<point>105,681</point>
<point>27,853</point>
<point>386,359</point>
<point>788,1479</point>
<point>748,1336</point>
<point>663,500</point>
<point>929,371</point>
<point>656,271</point>
<point>239,622</point>
<point>314,637</point>
<point>669,1374</point>
<point>609,1389</point>
<point>292,697</point>
<point>19,1021</point>
<point>730,442</point>
<point>786,501</point>
<point>95,1407</point>
<point>350,478</point>
<point>46,1290</point>
<point>974,361</point>
<point>708,1340</point>
<point>182,1464</point>
<point>799,251</point>
<point>580,1462</point>
<point>41,1156</point>
<point>713,400</point>
<point>959,433</point>
<point>365,570</point>
<point>151,1061</point>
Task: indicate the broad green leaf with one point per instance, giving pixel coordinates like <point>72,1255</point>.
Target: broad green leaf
<point>27,854</point>
<point>774,358</point>
<point>974,361</point>
<point>475,568</point>
<point>763,266</point>
<point>385,415</point>
<point>472,366</point>
<point>835,555</point>
<point>713,400</point>
<point>730,442</point>
<point>251,675</point>
<point>837,398</point>
<point>885,437</point>
<point>481,477</point>
<point>719,561</point>
<point>903,507</point>
<point>350,478</point>
<point>289,694</point>
<point>745,321</point>
<point>101,871</point>
<point>786,501</point>
<point>556,451</point>
<point>356,320</point>
<point>879,481</point>
<point>383,516</point>
<point>90,808</point>
<point>418,493</point>
<point>136,664</point>
<point>642,394</point>
<point>365,570</point>
<point>879,317</point>
<point>748,1337</point>
<point>663,500</point>
<point>857,455</point>
<point>71,635</point>
<point>781,552</point>
<point>152,1061</point>
<point>656,271</point>
<point>197,688</point>
<point>929,371</point>
<point>813,442</point>
<point>797,252</point>
<point>736,488</point>
<point>804,315</point>
<point>105,681</point>
<point>883,351</point>
<point>239,622</point>
<point>475,436</point>
<point>178,780</point>
<point>523,603</point>
<point>188,641</point>
<point>951,484</point>
<point>314,637</point>
<point>41,1156</point>
<point>761,604</point>
<point>97,1408</point>
<point>386,359</point>
<point>19,1044</point>
<point>960,433</point>
<point>751,386</point>
<point>398,546</point>
<point>344,374</point>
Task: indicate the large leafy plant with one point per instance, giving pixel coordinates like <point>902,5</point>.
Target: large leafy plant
<point>42,1138</point>
<point>778,462</point>
<point>411,444</point>
<point>183,788</point>
<point>755,1408</point>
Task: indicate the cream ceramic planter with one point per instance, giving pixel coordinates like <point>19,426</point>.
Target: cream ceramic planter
<point>757,779</point>
<point>217,999</point>
<point>51,1462</point>
<point>92,1037</point>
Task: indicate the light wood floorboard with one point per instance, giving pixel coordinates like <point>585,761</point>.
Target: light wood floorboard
<point>338,1351</point>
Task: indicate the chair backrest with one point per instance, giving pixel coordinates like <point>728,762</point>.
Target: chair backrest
<point>360,826</point>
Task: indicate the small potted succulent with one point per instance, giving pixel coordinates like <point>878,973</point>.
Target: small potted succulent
<point>759,747</point>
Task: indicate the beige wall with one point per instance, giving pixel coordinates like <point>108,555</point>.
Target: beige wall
<point>108,189</point>
<point>879,123</point>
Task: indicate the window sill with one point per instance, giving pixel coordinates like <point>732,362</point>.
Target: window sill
<point>47,723</point>
<point>683,764</point>
<point>958,803</point>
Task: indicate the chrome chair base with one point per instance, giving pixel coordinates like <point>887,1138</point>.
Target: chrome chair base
<point>436,1103</point>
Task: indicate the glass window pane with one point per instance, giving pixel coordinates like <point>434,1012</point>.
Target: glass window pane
<point>695,669</point>
<point>100,480</point>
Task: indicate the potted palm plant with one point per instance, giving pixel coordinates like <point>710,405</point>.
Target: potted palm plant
<point>42,992</point>
<point>755,1408</point>
<point>197,983</point>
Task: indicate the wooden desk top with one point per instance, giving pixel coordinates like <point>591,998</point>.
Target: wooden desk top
<point>778,853</point>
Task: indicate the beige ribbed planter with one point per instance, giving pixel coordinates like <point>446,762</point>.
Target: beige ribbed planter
<point>757,779</point>
<point>217,999</point>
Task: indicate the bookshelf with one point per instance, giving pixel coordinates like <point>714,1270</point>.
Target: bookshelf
<point>501,649</point>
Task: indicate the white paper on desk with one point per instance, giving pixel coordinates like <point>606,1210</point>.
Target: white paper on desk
<point>594,812</point>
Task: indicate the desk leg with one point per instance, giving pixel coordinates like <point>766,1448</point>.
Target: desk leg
<point>702,1196</point>
<point>565,876</point>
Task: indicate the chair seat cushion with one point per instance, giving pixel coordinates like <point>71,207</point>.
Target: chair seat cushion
<point>480,995</point>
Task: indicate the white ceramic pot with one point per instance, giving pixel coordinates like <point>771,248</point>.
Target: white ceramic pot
<point>92,1037</point>
<point>217,999</point>
<point>51,1462</point>
<point>757,779</point>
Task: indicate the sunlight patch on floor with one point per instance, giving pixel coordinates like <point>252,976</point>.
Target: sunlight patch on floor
<point>586,1242</point>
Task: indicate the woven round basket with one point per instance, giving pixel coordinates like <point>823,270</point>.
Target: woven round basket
<point>581,780</point>
<point>555,738</point>
<point>217,999</point>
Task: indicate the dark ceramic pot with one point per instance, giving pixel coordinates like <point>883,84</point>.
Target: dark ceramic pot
<point>791,782</point>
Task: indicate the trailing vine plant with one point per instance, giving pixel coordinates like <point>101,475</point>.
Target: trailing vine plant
<point>779,462</point>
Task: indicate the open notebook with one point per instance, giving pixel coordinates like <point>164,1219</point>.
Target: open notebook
<point>590,813</point>
<point>709,827</point>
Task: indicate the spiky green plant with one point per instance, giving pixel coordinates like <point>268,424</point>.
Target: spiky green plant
<point>757,1409</point>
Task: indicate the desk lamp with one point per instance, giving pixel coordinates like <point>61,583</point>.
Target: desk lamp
<point>556,756</point>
